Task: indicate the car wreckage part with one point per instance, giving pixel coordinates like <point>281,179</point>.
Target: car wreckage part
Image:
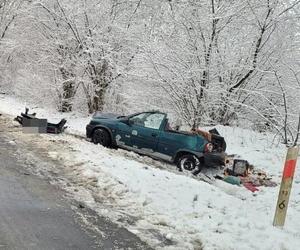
<point>232,180</point>
<point>49,128</point>
<point>214,159</point>
<point>56,128</point>
<point>218,142</point>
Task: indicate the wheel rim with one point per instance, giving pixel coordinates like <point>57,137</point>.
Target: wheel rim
<point>187,165</point>
<point>99,138</point>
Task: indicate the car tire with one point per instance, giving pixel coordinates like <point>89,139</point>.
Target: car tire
<point>101,136</point>
<point>189,164</point>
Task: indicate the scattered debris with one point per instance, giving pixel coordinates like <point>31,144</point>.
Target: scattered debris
<point>234,180</point>
<point>240,172</point>
<point>236,171</point>
<point>250,187</point>
<point>259,180</point>
<point>40,125</point>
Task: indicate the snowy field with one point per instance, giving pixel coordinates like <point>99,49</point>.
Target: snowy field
<point>187,212</point>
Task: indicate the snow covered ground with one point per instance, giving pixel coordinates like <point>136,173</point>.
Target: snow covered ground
<point>187,212</point>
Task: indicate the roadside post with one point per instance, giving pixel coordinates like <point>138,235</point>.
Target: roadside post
<point>286,186</point>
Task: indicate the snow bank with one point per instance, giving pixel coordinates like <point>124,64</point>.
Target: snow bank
<point>188,213</point>
<point>185,209</point>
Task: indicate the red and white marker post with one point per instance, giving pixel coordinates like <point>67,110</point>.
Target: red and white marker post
<point>286,186</point>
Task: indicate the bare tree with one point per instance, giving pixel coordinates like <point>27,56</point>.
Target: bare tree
<point>216,54</point>
<point>8,12</point>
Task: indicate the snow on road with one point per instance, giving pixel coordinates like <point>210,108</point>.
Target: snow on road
<point>186,212</point>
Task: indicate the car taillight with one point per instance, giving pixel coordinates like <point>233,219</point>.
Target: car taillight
<point>208,148</point>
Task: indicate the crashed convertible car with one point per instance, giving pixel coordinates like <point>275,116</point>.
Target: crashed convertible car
<point>149,133</point>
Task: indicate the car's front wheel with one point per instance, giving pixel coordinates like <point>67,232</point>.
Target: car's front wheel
<point>101,136</point>
<point>189,163</point>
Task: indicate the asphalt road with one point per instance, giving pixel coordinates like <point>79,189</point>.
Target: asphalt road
<point>37,215</point>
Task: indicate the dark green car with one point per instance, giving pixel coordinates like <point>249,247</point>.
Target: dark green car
<point>149,133</point>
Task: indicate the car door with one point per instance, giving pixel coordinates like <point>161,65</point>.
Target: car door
<point>123,135</point>
<point>145,131</point>
<point>170,142</point>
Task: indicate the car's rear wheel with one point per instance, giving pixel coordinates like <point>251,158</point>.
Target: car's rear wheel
<point>101,136</point>
<point>189,164</point>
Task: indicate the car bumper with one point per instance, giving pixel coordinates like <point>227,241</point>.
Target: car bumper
<point>89,130</point>
<point>214,159</point>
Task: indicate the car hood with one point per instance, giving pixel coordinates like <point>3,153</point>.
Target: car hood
<point>101,115</point>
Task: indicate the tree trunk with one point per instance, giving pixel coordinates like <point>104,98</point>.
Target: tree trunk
<point>68,91</point>
<point>101,77</point>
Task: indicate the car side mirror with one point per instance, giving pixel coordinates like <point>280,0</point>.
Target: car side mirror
<point>130,122</point>
<point>127,121</point>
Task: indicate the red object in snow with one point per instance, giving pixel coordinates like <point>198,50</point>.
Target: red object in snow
<point>250,187</point>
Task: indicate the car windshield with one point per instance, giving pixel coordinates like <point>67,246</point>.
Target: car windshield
<point>148,120</point>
